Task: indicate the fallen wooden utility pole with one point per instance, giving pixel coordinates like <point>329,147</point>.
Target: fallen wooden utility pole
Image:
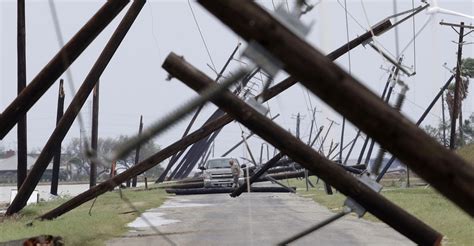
<point>442,168</point>
<point>75,106</point>
<point>60,62</point>
<point>257,175</point>
<point>57,151</point>
<point>21,70</point>
<point>196,135</point>
<point>294,148</point>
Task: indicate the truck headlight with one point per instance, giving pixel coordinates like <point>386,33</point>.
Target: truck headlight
<point>207,176</point>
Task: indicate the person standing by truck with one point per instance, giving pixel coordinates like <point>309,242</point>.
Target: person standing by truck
<point>235,173</point>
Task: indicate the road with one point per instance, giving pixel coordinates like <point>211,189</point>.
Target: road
<point>251,219</point>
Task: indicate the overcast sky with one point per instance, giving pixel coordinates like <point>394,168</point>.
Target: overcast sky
<point>134,83</point>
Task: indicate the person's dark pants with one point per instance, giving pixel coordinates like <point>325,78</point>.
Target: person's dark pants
<point>236,182</point>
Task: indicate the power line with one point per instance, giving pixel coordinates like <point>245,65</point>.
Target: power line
<point>202,36</point>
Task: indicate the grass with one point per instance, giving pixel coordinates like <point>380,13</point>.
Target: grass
<point>108,219</point>
<point>424,203</point>
<point>467,152</point>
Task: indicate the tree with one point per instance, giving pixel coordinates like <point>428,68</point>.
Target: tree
<point>465,139</point>
<point>76,156</point>
<point>467,67</point>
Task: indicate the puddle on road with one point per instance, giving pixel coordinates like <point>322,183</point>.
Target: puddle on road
<point>155,218</point>
<point>152,218</point>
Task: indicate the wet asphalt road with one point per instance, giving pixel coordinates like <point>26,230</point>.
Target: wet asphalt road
<point>251,219</point>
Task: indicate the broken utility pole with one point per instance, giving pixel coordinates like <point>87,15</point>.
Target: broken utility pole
<point>329,171</point>
<point>94,133</point>
<point>57,151</point>
<point>443,169</point>
<point>22,165</point>
<point>75,106</point>
<point>60,62</point>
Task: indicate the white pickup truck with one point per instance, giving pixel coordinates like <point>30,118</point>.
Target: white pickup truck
<point>217,173</point>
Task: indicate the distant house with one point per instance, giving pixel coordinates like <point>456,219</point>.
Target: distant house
<point>8,167</point>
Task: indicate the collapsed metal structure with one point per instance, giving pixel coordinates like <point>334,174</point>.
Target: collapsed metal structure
<point>442,168</point>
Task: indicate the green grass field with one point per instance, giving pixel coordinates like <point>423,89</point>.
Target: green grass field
<point>108,218</point>
<point>425,203</point>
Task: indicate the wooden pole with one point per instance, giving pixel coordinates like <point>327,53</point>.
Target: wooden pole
<point>60,62</point>
<point>57,151</point>
<point>444,121</point>
<point>66,121</point>
<point>457,87</point>
<point>442,168</point>
<point>22,164</point>
<point>95,133</point>
<point>329,171</point>
<point>137,151</point>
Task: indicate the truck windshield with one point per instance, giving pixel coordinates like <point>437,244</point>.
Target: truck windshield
<point>220,163</point>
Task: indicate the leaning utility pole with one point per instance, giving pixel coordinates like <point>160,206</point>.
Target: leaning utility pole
<point>81,96</point>
<point>442,168</point>
<point>137,151</point>
<point>298,151</point>
<point>457,85</point>
<point>95,133</point>
<point>57,151</point>
<point>22,165</point>
<point>56,66</point>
